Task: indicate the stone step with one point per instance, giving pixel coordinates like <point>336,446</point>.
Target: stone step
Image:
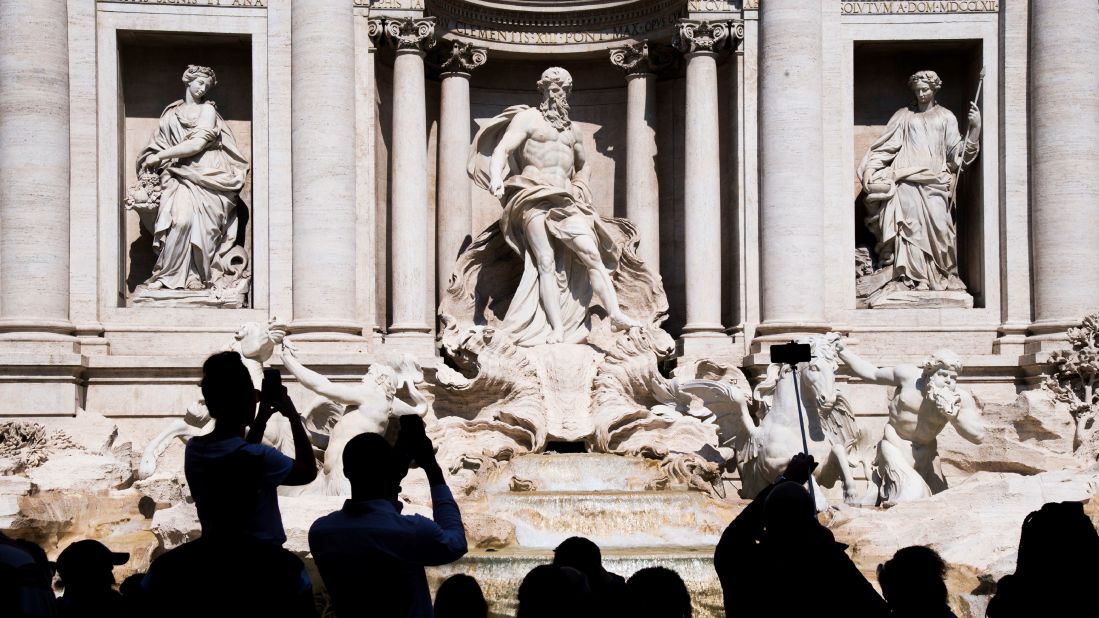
<point>614,519</point>
<point>574,472</point>
<point>499,573</point>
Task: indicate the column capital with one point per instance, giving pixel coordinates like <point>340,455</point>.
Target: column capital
<point>636,59</point>
<point>410,33</point>
<point>693,36</point>
<point>463,58</point>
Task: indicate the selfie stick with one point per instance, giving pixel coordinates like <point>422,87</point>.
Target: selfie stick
<point>804,441</point>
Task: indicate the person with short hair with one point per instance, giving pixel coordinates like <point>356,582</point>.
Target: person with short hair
<point>233,478</point>
<point>370,556</point>
<point>913,584</point>
<point>459,596</point>
<point>658,592</point>
<point>25,574</point>
<point>608,590</point>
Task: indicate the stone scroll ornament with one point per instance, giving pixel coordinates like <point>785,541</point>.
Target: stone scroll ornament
<point>187,196</point>
<point>551,321</point>
<point>910,175</point>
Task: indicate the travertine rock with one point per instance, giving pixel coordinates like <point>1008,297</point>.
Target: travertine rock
<point>974,525</point>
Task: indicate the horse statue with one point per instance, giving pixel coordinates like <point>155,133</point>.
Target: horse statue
<point>761,451</point>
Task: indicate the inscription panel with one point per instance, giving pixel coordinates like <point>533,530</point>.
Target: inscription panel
<point>244,4</point>
<point>919,7</point>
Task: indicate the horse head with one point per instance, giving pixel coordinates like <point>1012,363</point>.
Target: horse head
<point>818,377</point>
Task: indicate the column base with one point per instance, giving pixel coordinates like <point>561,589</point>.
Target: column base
<point>1047,335</point>
<point>45,382</point>
<point>1012,339</point>
<point>708,344</point>
<point>419,343</point>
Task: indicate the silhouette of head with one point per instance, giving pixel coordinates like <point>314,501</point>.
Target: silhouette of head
<point>460,597</point>
<point>550,591</point>
<point>1050,534</point>
<point>789,509</point>
<point>581,554</point>
<point>88,565</point>
<point>658,592</point>
<point>371,465</point>
<point>228,390</point>
<point>912,580</point>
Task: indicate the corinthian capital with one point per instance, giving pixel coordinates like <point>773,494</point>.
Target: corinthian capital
<point>416,33</point>
<point>700,36</point>
<point>633,58</point>
<point>464,58</point>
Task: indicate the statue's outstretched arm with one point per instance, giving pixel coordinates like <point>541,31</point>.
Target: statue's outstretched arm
<point>340,393</point>
<point>867,370</point>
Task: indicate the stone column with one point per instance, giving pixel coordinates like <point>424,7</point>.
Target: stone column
<point>1064,173</point>
<point>453,196</point>
<point>791,211</point>
<point>700,41</point>
<point>34,166</point>
<point>408,189</point>
<point>642,185</point>
<point>323,155</point>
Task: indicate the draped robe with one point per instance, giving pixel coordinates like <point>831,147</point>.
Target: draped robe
<point>196,223</point>
<point>921,152</point>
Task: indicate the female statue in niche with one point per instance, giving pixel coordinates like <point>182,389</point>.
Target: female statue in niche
<point>201,172</point>
<point>908,175</point>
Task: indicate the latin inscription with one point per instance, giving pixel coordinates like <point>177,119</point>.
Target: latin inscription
<point>406,5</point>
<point>912,7</point>
<point>241,3</point>
<point>616,33</point>
<point>711,6</point>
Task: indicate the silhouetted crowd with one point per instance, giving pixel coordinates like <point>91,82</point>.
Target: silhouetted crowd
<point>774,559</point>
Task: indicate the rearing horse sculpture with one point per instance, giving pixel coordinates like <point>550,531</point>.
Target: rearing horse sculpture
<point>762,451</point>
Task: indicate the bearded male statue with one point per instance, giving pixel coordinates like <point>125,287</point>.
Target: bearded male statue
<point>926,399</point>
<point>535,164</point>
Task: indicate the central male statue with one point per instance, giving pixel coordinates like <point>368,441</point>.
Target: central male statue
<point>548,218</point>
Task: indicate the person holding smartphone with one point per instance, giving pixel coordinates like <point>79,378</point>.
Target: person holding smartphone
<point>232,476</point>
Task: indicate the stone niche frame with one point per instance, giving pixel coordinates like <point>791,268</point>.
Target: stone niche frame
<point>971,331</point>
<point>126,327</point>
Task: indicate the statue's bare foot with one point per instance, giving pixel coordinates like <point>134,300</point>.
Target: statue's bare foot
<point>155,285</point>
<point>621,321</point>
<point>193,283</point>
<point>555,337</point>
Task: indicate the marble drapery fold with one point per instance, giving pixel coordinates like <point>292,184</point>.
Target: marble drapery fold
<point>196,224</point>
<point>919,155</point>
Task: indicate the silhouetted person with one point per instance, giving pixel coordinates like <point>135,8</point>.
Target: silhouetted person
<point>459,596</point>
<point>775,559</point>
<point>370,556</point>
<point>607,589</point>
<point>551,591</point>
<point>658,592</point>
<point>913,584</point>
<point>1057,568</point>
<point>86,569</point>
<point>231,576</point>
<point>25,580</point>
<point>233,478</point>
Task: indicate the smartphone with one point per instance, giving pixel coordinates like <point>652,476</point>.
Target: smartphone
<point>272,382</point>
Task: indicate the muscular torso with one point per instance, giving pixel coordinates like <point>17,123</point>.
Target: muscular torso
<point>913,416</point>
<point>547,153</point>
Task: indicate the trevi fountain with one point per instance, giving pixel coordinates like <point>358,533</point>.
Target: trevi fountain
<point>568,235</point>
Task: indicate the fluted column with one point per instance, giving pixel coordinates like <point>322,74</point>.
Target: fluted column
<point>1064,150</point>
<point>791,212</point>
<point>453,196</point>
<point>323,142</point>
<point>642,184</point>
<point>700,41</point>
<point>34,166</point>
<point>408,188</point>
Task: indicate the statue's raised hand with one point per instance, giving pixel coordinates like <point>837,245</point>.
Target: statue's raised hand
<point>974,120</point>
